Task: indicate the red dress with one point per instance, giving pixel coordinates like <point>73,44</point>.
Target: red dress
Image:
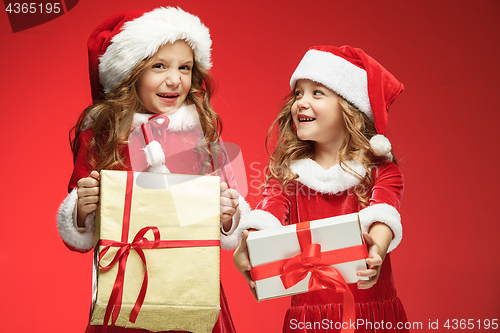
<point>319,193</point>
<point>175,142</point>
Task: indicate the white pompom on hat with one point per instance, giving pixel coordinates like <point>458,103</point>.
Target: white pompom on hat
<point>381,146</point>
<point>356,77</point>
<point>122,41</point>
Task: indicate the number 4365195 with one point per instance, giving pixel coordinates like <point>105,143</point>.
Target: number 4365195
<point>33,8</point>
<point>471,324</point>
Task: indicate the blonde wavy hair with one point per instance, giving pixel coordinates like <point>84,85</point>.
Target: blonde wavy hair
<point>356,146</point>
<point>112,117</point>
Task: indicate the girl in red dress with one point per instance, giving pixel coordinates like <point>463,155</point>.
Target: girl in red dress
<point>331,158</point>
<point>147,68</point>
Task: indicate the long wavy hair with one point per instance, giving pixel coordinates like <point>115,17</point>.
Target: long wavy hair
<point>111,117</point>
<point>356,146</point>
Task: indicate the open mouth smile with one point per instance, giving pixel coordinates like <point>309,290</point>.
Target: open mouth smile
<point>304,118</point>
<point>168,95</point>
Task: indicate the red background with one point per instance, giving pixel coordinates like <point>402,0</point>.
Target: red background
<point>444,129</point>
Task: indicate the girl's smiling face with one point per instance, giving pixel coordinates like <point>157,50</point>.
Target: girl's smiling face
<point>317,114</point>
<point>164,85</point>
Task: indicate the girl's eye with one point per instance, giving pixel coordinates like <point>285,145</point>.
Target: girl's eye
<point>318,93</point>
<point>158,66</point>
<point>298,93</point>
<point>185,68</point>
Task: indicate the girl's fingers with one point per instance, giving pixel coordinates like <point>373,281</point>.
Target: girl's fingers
<point>227,210</point>
<point>228,202</point>
<point>240,255</point>
<point>223,217</point>
<point>89,208</point>
<point>366,284</point>
<point>243,266</point>
<point>242,262</point>
<point>223,186</point>
<point>229,198</point>
<point>88,182</point>
<point>88,191</point>
<point>88,204</point>
<point>89,200</point>
<point>244,236</point>
<point>94,174</point>
<point>233,194</point>
<point>254,293</point>
<point>368,239</point>
<point>368,273</point>
<point>248,277</point>
<point>372,274</point>
<point>373,262</point>
<point>93,180</point>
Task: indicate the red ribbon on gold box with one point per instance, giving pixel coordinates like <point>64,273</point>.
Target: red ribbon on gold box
<point>172,281</point>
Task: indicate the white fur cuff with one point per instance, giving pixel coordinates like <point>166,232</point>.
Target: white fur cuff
<point>229,240</point>
<point>255,219</point>
<point>386,214</point>
<point>82,239</point>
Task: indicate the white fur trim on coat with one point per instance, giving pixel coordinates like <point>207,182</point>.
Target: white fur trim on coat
<point>229,240</point>
<point>141,38</point>
<point>252,219</point>
<point>386,214</point>
<point>184,119</point>
<point>81,239</point>
<point>331,181</point>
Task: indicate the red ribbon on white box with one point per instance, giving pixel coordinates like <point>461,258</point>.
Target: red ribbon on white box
<point>311,259</point>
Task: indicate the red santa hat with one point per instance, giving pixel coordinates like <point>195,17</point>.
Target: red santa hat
<point>356,77</point>
<point>121,42</point>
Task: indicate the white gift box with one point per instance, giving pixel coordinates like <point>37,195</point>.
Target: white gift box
<point>334,233</point>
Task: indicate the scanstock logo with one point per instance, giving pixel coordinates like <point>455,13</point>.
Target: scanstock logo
<point>25,15</point>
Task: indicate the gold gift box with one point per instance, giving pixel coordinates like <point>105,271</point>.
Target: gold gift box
<point>183,291</point>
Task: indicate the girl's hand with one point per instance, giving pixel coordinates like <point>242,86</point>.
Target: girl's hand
<point>88,196</point>
<point>374,261</point>
<point>242,262</point>
<point>228,205</point>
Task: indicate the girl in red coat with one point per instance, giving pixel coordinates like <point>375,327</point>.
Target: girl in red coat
<point>148,70</point>
<point>331,159</point>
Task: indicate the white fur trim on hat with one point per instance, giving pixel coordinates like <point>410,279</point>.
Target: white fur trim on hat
<point>381,146</point>
<point>82,239</point>
<point>141,38</point>
<point>386,214</point>
<point>337,74</point>
<point>331,181</point>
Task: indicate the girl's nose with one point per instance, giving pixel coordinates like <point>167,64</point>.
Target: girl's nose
<point>173,79</point>
<point>302,103</point>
